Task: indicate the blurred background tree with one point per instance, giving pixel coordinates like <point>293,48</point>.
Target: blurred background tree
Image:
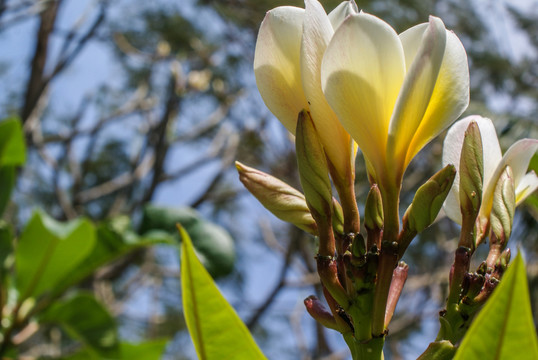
<point>127,103</point>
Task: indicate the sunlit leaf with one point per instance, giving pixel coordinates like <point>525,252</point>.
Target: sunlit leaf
<point>143,351</point>
<point>216,330</point>
<point>504,329</point>
<point>48,250</point>
<point>112,241</point>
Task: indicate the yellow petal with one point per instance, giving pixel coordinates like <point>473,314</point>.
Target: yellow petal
<point>416,91</point>
<point>361,75</point>
<point>317,32</point>
<point>449,99</point>
<point>527,185</point>
<point>277,64</point>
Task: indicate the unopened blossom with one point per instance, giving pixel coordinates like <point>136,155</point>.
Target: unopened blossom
<point>517,157</point>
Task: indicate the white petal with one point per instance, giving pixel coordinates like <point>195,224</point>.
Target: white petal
<point>361,75</point>
<point>517,157</point>
<point>450,96</point>
<point>415,94</point>
<point>452,152</point>
<point>527,185</point>
<point>317,32</point>
<point>341,12</point>
<point>451,155</point>
<point>277,64</point>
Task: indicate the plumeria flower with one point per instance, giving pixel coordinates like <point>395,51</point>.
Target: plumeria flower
<point>394,93</point>
<point>517,157</point>
<point>287,65</point>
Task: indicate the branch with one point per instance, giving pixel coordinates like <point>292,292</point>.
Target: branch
<point>36,83</point>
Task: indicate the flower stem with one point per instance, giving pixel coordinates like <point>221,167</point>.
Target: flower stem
<point>388,258</point>
<point>365,350</point>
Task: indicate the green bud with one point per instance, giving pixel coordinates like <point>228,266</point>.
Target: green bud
<point>313,169</point>
<point>285,202</point>
<point>471,173</point>
<point>373,209</point>
<point>358,246</point>
<point>338,217</point>
<point>504,204</point>
<point>428,200</point>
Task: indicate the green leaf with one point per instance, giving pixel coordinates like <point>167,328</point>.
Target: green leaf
<point>12,148</point>
<point>216,330</point>
<point>86,320</point>
<point>114,239</point>
<point>504,329</point>
<point>439,350</point>
<point>149,350</point>
<point>48,250</point>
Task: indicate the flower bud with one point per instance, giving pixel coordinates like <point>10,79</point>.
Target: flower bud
<point>338,217</point>
<point>471,173</point>
<point>428,200</point>
<point>399,277</point>
<point>285,202</point>
<point>313,168</point>
<point>502,211</point>
<point>319,312</point>
<point>358,246</point>
<point>373,209</point>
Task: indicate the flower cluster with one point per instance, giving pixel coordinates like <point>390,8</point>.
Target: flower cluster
<point>345,81</point>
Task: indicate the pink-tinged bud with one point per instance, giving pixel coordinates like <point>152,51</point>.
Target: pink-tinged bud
<point>285,202</point>
<point>399,277</point>
<point>320,313</point>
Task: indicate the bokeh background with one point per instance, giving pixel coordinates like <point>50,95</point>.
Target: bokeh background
<point>138,109</point>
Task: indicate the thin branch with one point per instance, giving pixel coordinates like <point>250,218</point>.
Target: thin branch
<point>119,182</point>
<point>290,250</point>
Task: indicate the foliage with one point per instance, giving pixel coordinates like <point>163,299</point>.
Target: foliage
<point>504,328</point>
<point>217,331</point>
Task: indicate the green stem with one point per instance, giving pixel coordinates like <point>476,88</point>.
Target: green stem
<point>365,350</point>
<point>346,192</point>
<point>388,258</point>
